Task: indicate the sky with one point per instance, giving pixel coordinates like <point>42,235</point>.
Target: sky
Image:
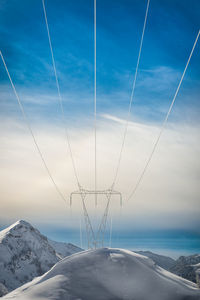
<point>168,197</point>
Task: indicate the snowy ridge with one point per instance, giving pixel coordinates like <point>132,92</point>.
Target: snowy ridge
<point>64,249</point>
<point>161,260</point>
<point>24,254</point>
<point>12,228</point>
<point>107,274</point>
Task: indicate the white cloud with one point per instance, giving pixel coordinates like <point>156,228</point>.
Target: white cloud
<point>158,79</point>
<point>170,186</point>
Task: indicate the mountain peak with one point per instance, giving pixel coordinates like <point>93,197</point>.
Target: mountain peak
<point>22,222</point>
<point>25,253</point>
<point>18,227</point>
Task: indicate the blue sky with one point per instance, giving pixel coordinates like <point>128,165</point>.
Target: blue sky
<point>172,27</point>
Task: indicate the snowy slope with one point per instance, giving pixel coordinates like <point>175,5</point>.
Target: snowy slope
<point>64,249</point>
<point>24,254</point>
<point>161,260</point>
<point>107,274</point>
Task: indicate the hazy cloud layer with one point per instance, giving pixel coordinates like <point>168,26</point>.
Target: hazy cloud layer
<point>170,187</point>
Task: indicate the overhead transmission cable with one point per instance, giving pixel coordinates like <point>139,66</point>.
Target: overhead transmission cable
<point>129,111</point>
<point>110,237</point>
<point>66,131</point>
<point>60,97</point>
<point>104,219</point>
<point>31,131</point>
<point>81,238</point>
<point>164,122</point>
<point>95,104</point>
<point>131,98</point>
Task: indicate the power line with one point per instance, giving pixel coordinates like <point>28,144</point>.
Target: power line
<point>130,103</point>
<point>110,237</point>
<point>30,130</point>
<point>164,122</point>
<point>132,96</point>
<point>81,238</point>
<point>95,104</point>
<point>59,95</point>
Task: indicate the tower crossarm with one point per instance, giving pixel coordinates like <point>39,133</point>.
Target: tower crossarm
<point>108,193</point>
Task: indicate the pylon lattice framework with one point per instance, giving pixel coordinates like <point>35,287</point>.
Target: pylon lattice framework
<point>95,240</point>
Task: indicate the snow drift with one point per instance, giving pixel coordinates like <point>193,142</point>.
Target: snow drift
<point>109,274</point>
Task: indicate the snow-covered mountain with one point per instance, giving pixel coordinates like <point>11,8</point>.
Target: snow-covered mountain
<point>107,274</point>
<point>164,262</point>
<point>64,249</point>
<point>25,253</point>
<point>186,266</point>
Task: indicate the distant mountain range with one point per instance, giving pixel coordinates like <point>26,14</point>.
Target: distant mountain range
<point>184,266</point>
<point>163,261</point>
<point>25,254</point>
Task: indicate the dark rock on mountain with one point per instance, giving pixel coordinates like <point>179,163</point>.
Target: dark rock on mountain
<point>186,266</point>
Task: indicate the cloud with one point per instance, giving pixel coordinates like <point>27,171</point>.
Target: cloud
<point>131,124</point>
<point>159,79</point>
<point>170,187</point>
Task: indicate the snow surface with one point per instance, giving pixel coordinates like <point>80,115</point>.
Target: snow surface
<point>25,253</point>
<point>161,260</point>
<point>107,274</point>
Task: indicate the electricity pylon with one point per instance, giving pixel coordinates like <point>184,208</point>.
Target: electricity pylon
<point>95,240</point>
